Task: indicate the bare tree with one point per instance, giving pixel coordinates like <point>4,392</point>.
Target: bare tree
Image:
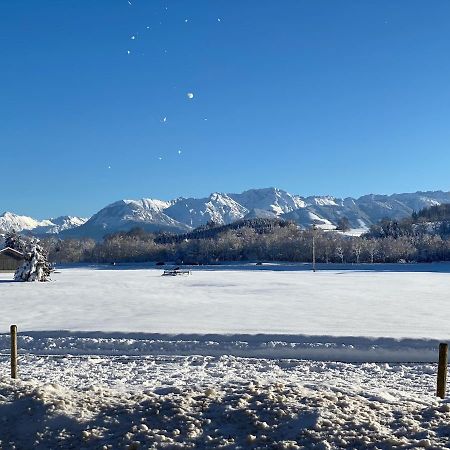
<point>371,247</point>
<point>357,249</point>
<point>340,253</point>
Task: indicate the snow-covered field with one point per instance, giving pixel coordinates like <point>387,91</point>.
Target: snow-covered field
<point>340,315</point>
<point>336,303</point>
<point>225,359</point>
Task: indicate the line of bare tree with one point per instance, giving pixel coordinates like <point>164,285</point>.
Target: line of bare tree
<point>286,243</point>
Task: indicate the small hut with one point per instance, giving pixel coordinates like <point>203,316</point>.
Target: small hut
<point>10,259</point>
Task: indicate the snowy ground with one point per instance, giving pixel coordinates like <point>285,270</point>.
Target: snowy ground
<point>227,402</point>
<point>340,315</point>
<point>335,303</point>
<point>158,362</point>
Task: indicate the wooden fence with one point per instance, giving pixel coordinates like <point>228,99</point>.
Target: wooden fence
<point>441,374</point>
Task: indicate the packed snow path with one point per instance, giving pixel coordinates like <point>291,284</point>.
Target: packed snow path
<point>208,403</point>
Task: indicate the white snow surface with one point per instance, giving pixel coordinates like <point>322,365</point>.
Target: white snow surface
<point>324,201</point>
<point>203,402</point>
<point>328,315</point>
<point>130,373</point>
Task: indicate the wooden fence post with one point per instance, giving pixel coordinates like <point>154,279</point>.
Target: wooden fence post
<point>442,370</point>
<point>13,351</point>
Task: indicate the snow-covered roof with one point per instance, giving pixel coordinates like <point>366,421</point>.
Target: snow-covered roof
<point>11,252</point>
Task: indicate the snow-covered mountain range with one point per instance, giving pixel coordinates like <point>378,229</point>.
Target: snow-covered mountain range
<point>183,214</point>
<point>10,221</point>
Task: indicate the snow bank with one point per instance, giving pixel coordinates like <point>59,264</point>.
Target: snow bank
<point>227,402</point>
<point>318,348</point>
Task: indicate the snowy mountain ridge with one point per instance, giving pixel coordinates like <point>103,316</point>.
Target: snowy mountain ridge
<point>10,221</point>
<point>184,214</point>
<point>273,200</point>
<point>218,207</point>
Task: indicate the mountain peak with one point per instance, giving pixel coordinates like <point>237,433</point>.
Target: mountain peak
<point>183,214</point>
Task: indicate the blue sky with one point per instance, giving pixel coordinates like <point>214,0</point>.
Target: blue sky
<point>315,97</point>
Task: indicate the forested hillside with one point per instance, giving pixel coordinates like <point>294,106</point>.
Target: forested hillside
<point>434,221</point>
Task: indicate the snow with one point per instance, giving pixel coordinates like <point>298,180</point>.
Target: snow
<point>274,200</point>
<point>218,207</point>
<point>11,250</point>
<point>325,210</point>
<point>155,204</point>
<point>227,402</point>
<point>126,214</point>
<point>323,224</point>
<point>56,225</point>
<point>323,201</point>
<point>354,232</point>
<point>218,359</point>
<point>340,315</point>
<point>10,221</point>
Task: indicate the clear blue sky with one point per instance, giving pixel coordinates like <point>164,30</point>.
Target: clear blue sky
<point>315,97</point>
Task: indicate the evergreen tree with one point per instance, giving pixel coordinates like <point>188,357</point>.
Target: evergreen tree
<point>15,241</point>
<point>343,224</point>
<point>36,266</point>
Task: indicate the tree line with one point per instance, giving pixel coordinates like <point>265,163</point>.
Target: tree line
<point>433,221</point>
<point>418,238</point>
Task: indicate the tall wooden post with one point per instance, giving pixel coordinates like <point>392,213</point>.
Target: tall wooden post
<point>442,370</point>
<point>314,247</point>
<point>13,351</point>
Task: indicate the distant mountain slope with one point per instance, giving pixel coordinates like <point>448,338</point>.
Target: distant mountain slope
<point>124,215</point>
<point>184,214</point>
<point>273,200</point>
<point>59,224</point>
<point>306,217</point>
<point>10,221</point>
<point>218,208</point>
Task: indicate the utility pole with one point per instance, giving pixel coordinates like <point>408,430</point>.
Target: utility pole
<point>314,247</point>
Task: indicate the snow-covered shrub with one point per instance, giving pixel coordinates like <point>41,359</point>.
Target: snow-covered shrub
<point>36,266</point>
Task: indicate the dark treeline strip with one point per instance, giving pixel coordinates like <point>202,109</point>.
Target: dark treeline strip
<point>211,230</point>
<point>282,243</point>
<point>434,221</point>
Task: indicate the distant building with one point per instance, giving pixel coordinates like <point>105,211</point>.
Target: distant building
<point>10,259</point>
